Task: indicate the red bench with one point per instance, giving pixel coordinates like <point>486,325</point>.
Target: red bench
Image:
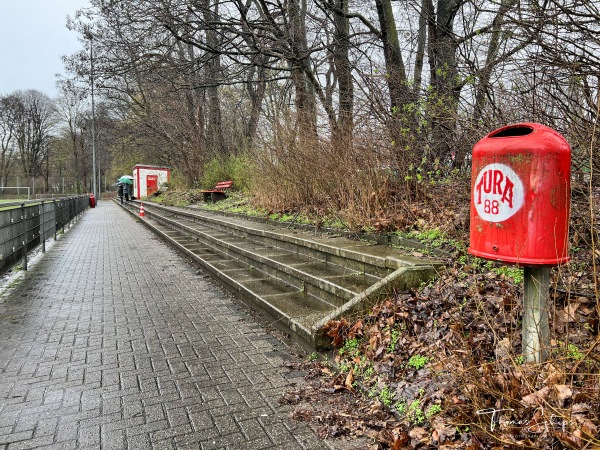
<point>218,193</point>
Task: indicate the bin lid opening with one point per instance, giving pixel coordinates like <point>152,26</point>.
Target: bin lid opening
<point>518,130</point>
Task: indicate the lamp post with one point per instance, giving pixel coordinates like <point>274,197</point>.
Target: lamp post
<point>95,188</point>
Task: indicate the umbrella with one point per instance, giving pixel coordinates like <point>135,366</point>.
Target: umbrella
<point>126,179</point>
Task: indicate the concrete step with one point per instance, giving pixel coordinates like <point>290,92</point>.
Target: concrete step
<point>367,257</point>
<point>327,281</point>
<point>287,307</point>
<point>297,280</point>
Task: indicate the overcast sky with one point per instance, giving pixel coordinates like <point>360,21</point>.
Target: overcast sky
<point>33,37</point>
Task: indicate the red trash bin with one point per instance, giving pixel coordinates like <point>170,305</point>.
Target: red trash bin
<point>92,201</point>
<point>520,195</point>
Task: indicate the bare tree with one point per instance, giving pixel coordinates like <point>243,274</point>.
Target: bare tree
<point>33,123</point>
<point>195,76</point>
<point>8,106</point>
<point>70,109</point>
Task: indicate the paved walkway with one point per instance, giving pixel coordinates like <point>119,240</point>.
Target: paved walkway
<point>112,341</point>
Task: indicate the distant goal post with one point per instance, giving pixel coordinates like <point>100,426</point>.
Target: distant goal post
<point>14,192</point>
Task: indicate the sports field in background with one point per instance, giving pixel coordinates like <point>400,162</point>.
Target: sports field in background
<point>14,194</point>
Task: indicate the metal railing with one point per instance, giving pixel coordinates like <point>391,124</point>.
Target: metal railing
<point>25,225</point>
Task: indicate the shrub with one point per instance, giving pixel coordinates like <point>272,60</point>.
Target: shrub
<point>238,168</point>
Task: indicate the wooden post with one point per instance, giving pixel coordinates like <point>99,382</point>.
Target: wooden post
<point>536,330</point>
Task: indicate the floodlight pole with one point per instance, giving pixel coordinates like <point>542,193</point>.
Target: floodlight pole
<point>96,193</point>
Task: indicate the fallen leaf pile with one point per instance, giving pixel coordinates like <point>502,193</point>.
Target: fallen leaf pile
<point>440,367</point>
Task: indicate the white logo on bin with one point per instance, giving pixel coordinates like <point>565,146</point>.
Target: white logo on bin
<point>498,193</point>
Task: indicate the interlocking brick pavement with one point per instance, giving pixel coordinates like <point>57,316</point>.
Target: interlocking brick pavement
<point>112,341</point>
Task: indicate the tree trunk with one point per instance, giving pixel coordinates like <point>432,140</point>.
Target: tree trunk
<point>394,64</point>
<point>443,106</point>
<point>424,17</point>
<point>214,123</point>
<point>483,86</point>
<point>256,91</point>
<point>399,93</point>
<point>306,107</point>
<point>343,130</point>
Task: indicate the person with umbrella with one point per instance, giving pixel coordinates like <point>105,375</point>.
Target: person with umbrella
<point>127,182</point>
<point>126,191</point>
<point>120,192</point>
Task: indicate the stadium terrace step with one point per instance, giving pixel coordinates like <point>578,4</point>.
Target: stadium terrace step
<point>298,280</point>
